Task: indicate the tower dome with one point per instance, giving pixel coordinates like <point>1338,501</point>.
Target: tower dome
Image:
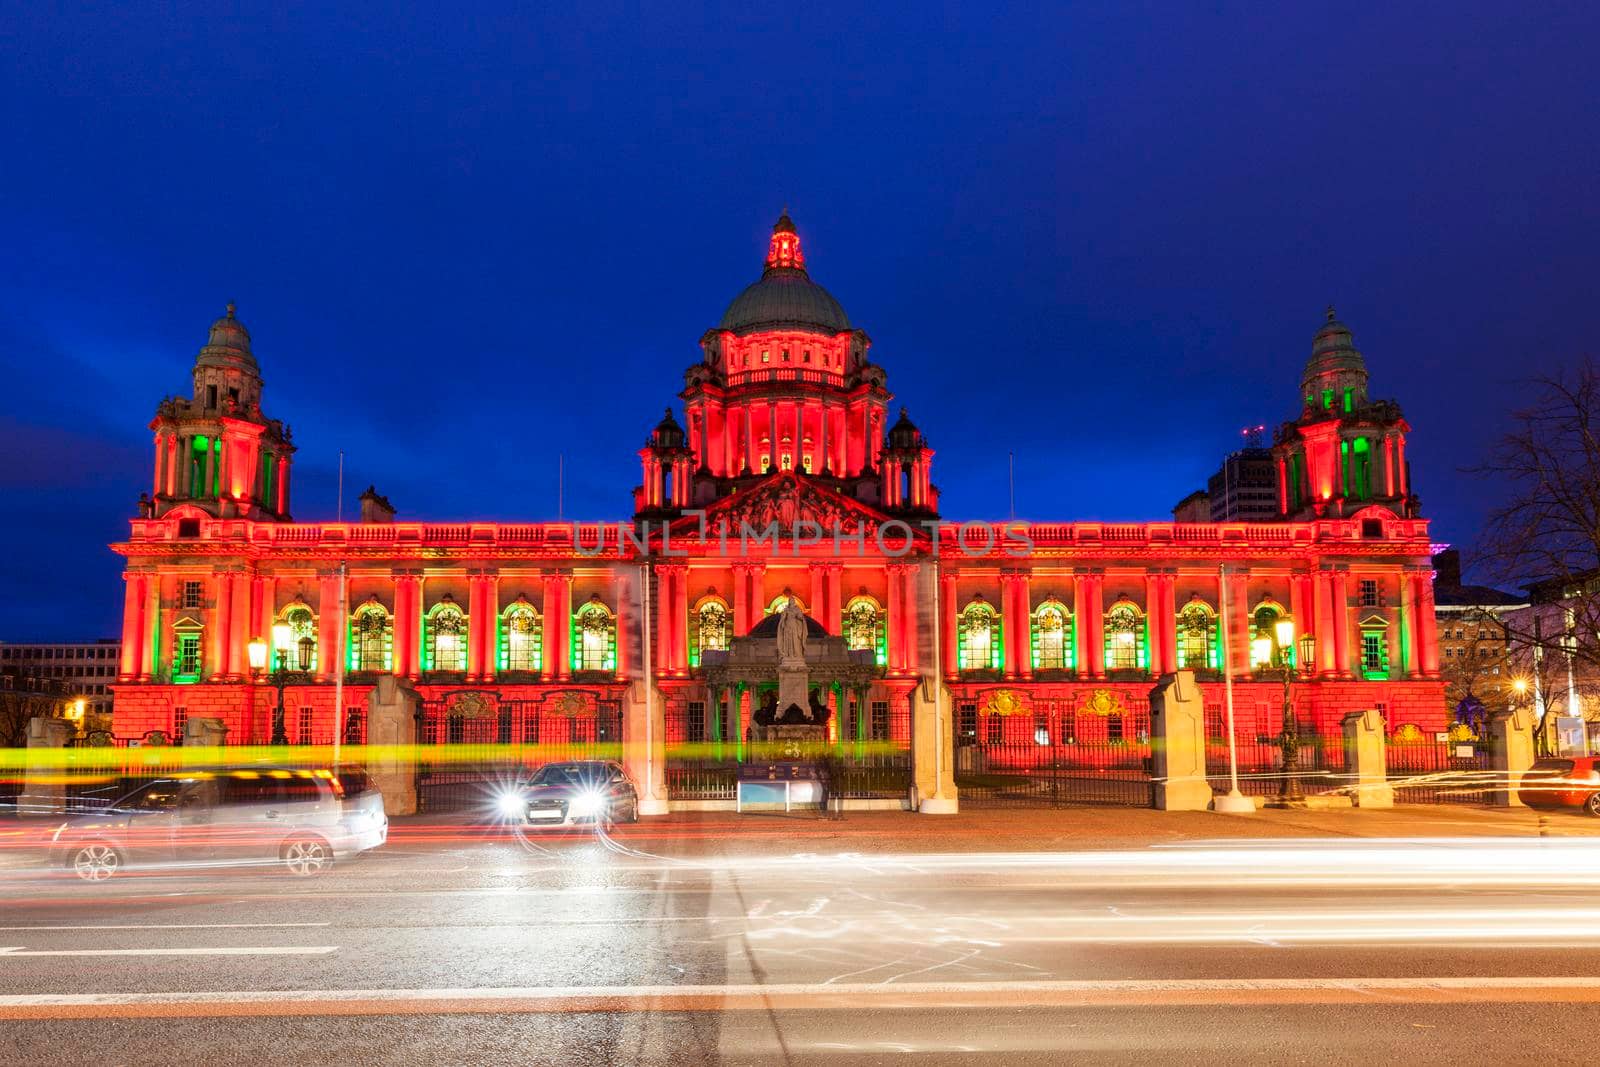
<point>785,297</point>
<point>228,346</point>
<point>1335,362</point>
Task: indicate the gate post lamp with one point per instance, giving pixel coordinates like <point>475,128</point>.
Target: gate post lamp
<point>282,639</point>
<point>1292,654</point>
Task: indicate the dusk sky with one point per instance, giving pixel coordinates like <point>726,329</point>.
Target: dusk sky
<point>468,241</point>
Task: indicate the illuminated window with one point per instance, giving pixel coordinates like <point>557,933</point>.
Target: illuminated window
<point>186,656</point>
<point>711,630</point>
<point>1375,655</point>
<point>371,638</point>
<point>781,601</point>
<point>805,356</point>
<point>193,592</point>
<point>302,627</point>
<point>1264,648</point>
<point>445,647</point>
<point>786,462</point>
<point>766,463</point>
<point>1125,648</point>
<point>805,463</point>
<point>1052,637</point>
<point>1327,399</point>
<point>786,355</point>
<point>1349,400</point>
<point>766,355</point>
<point>1369,593</point>
<point>864,628</point>
<point>1197,647</point>
<point>594,644</point>
<point>521,640</point>
<point>978,644</point>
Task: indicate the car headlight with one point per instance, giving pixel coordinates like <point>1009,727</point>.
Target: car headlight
<point>512,805</point>
<point>586,804</point>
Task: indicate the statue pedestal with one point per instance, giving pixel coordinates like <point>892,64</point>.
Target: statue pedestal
<point>794,685</point>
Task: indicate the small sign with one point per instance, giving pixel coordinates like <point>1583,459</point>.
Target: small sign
<point>1442,737</point>
<point>1465,751</point>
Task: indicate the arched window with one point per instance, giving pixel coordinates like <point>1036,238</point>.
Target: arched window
<point>371,638</point>
<point>1125,645</point>
<point>781,600</point>
<point>864,628</point>
<point>594,638</point>
<point>302,627</point>
<point>978,644</point>
<point>1197,645</point>
<point>445,647</point>
<point>1052,637</point>
<point>710,628</point>
<point>521,640</point>
<point>1264,649</point>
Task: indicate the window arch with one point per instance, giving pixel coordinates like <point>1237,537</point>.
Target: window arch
<point>1126,647</point>
<point>1197,636</point>
<point>1264,649</point>
<point>1052,636</point>
<point>711,627</point>
<point>782,599</point>
<point>302,627</point>
<point>864,628</point>
<point>371,638</point>
<point>978,644</point>
<point>594,637</point>
<point>445,640</point>
<point>521,638</point>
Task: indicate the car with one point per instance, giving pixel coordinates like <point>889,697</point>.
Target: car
<point>305,819</point>
<point>576,791</point>
<point>1567,782</point>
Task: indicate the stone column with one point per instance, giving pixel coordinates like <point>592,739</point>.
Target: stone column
<point>1327,648</point>
<point>238,662</point>
<point>1427,625</point>
<point>393,707</point>
<point>558,625</point>
<point>1178,744</point>
<point>644,745</point>
<point>949,653</point>
<point>1011,626</point>
<point>666,599</point>
<point>932,749</point>
<point>1093,622</point>
<point>135,628</point>
<point>1341,621</point>
<point>908,585</point>
<point>1364,759</point>
<point>819,593</point>
<point>1510,753</point>
<point>155,636</point>
<point>216,665</point>
<point>408,625</point>
<point>1238,620</point>
<point>894,605</point>
<point>834,623</point>
<point>624,618</point>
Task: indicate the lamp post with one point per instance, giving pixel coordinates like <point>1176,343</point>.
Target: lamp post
<point>282,638</point>
<point>1290,653</point>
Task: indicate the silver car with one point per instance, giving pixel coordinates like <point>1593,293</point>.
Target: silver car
<point>304,819</point>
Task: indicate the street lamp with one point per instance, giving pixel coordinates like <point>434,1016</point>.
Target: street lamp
<point>1291,655</point>
<point>282,639</point>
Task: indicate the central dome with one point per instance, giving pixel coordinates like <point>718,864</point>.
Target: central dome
<point>785,298</point>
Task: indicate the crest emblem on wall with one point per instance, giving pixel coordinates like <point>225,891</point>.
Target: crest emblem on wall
<point>1004,702</point>
<point>1103,702</point>
<point>570,705</point>
<point>470,706</point>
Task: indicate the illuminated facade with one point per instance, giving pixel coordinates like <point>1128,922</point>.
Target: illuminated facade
<point>785,478</point>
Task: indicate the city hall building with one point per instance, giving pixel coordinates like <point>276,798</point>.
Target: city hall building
<point>985,651</point>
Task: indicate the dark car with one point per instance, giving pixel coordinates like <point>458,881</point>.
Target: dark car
<point>302,818</point>
<point>578,791</point>
<point>1568,782</point>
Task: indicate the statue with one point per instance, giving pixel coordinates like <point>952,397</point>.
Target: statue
<point>792,634</point>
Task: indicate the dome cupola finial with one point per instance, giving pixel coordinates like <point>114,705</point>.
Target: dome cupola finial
<point>784,249</point>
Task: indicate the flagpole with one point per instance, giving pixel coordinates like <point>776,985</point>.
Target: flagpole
<point>1235,801</point>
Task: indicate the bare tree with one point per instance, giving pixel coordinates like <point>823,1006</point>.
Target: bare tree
<point>1545,536</point>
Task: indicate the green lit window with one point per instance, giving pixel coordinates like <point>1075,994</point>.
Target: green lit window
<point>445,644</point>
<point>302,627</point>
<point>186,657</point>
<point>1349,400</point>
<point>1197,633</point>
<point>1052,637</point>
<point>371,639</point>
<point>1327,399</point>
<point>781,601</point>
<point>864,628</point>
<point>1374,655</point>
<point>1126,648</point>
<point>521,645</point>
<point>594,638</point>
<point>1360,465</point>
<point>710,630</point>
<point>978,644</point>
<point>1294,481</point>
<point>199,449</point>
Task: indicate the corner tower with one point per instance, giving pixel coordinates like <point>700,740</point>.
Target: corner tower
<point>784,385</point>
<point>216,450</point>
<point>1346,451</point>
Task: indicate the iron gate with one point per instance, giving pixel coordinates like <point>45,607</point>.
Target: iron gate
<point>1053,756</point>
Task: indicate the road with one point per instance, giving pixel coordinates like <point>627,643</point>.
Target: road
<point>708,940</point>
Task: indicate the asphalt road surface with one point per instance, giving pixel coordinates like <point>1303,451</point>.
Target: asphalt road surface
<point>710,940</point>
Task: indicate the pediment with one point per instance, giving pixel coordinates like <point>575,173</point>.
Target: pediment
<point>790,504</point>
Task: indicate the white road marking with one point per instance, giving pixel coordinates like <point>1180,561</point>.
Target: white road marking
<point>169,926</point>
<point>12,953</point>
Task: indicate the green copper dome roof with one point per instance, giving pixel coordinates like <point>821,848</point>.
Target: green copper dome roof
<point>785,298</point>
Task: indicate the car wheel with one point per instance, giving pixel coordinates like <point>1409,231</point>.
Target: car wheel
<point>633,811</point>
<point>306,856</point>
<point>95,862</point>
<point>1591,804</point>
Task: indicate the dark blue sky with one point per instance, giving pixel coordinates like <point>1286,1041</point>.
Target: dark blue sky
<point>466,241</point>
